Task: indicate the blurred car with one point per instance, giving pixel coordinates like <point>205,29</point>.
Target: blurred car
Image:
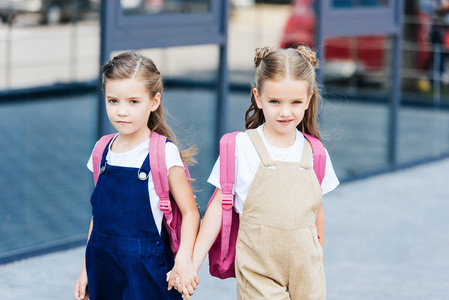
<point>52,11</point>
<point>362,59</point>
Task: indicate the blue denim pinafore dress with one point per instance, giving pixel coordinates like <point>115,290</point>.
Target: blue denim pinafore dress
<point>126,258</point>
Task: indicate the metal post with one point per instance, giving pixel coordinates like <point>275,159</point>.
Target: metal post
<point>436,96</point>
<point>320,50</point>
<point>396,90</point>
<point>102,120</point>
<point>223,84</point>
<point>74,42</point>
<point>319,41</point>
<point>8,51</point>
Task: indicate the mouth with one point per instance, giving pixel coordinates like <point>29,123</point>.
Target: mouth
<point>285,122</point>
<point>123,122</point>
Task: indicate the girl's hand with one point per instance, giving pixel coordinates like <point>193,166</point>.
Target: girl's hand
<point>181,289</point>
<point>81,292</point>
<point>183,277</point>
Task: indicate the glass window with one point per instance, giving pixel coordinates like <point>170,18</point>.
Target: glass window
<point>143,7</point>
<point>37,49</point>
<point>424,113</point>
<point>355,117</point>
<point>44,180</point>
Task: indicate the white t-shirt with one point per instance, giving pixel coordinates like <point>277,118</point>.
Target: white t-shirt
<point>247,161</point>
<point>134,159</point>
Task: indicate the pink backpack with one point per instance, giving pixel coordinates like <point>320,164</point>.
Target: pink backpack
<point>172,214</point>
<point>222,252</point>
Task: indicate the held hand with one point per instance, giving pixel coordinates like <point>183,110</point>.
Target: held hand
<point>81,291</point>
<point>176,284</point>
<point>183,277</point>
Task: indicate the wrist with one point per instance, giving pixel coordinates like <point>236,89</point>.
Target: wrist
<point>181,256</point>
<point>197,263</point>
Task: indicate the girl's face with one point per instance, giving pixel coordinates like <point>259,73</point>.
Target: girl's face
<point>283,104</point>
<point>129,105</point>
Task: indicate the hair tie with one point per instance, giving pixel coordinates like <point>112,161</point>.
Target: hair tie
<point>261,53</point>
<point>308,54</point>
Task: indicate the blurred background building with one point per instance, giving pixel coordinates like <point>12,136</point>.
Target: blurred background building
<point>49,68</point>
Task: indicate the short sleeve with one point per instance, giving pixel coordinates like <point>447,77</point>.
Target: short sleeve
<point>214,177</point>
<point>90,164</point>
<point>172,156</point>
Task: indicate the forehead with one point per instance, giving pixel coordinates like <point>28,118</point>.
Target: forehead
<point>285,88</point>
<point>124,84</point>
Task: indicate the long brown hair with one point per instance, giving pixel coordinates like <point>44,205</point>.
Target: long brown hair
<point>295,63</point>
<point>134,65</point>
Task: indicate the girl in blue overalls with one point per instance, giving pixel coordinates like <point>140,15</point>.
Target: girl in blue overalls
<point>128,253</point>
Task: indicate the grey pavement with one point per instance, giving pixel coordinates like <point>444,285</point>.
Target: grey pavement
<point>386,238</point>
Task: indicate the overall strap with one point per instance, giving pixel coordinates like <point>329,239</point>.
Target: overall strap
<point>97,154</point>
<point>260,147</point>
<point>227,179</point>
<point>306,162</point>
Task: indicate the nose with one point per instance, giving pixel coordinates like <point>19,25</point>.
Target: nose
<point>122,110</point>
<point>285,111</point>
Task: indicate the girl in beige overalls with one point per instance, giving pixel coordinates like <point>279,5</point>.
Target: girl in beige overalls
<point>280,242</point>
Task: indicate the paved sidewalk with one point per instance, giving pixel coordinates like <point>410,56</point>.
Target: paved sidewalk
<point>386,238</point>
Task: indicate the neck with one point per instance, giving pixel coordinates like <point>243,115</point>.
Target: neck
<point>126,142</point>
<point>280,140</point>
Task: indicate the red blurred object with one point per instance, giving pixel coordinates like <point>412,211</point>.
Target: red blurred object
<point>347,57</point>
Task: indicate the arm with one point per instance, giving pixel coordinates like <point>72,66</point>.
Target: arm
<point>182,193</point>
<point>81,284</point>
<point>319,222</point>
<point>210,228</point>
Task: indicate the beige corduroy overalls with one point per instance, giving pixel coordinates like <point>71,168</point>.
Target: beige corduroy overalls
<point>278,254</point>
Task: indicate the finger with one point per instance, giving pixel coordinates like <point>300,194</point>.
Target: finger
<point>172,283</point>
<point>185,293</point>
<point>197,280</point>
<point>190,289</point>
<point>168,276</point>
<point>194,285</point>
<point>77,292</point>
<point>82,291</point>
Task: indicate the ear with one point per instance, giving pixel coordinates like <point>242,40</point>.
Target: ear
<point>308,100</point>
<point>156,101</point>
<point>257,97</point>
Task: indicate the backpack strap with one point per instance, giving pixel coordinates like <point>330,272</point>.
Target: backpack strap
<point>98,153</point>
<point>160,175</point>
<point>159,172</point>
<point>319,156</point>
<point>227,179</point>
